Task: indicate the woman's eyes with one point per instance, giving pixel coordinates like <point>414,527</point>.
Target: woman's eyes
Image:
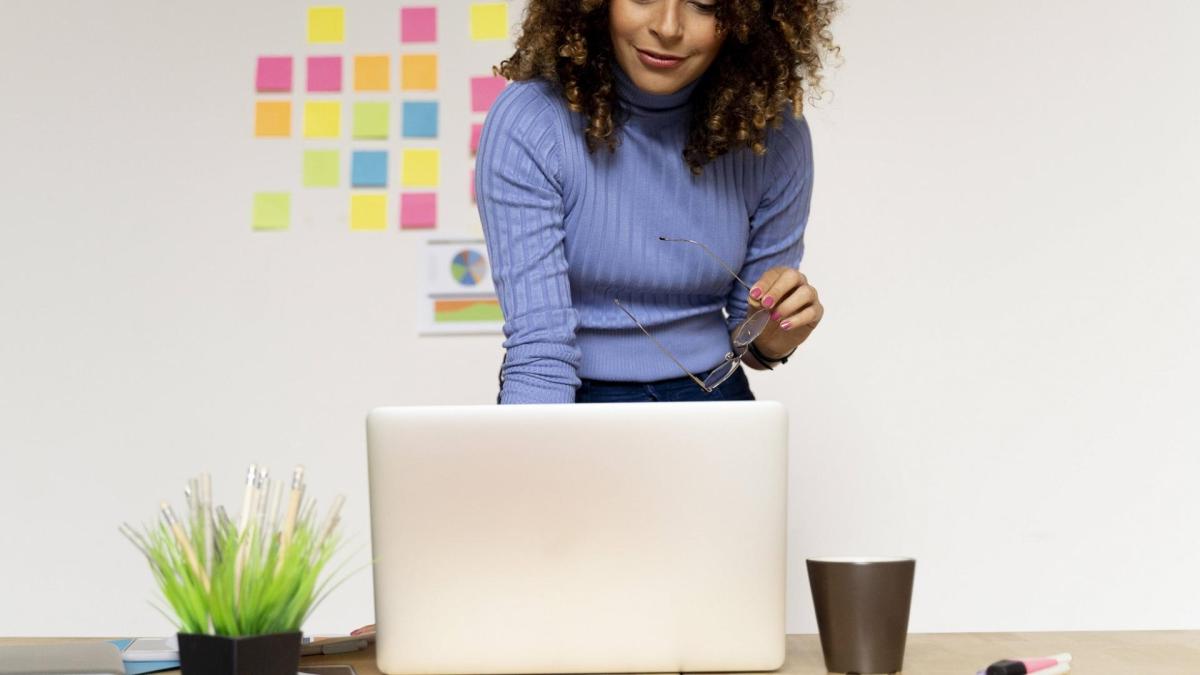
<point>705,7</point>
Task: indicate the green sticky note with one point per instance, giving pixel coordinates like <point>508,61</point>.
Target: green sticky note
<point>371,120</point>
<point>321,168</point>
<point>272,210</point>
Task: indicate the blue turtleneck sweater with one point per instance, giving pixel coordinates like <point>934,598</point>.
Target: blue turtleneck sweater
<point>568,231</point>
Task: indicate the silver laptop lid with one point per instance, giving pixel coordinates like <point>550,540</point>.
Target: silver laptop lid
<point>579,538</point>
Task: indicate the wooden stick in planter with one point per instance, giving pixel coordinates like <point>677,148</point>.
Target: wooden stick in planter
<point>293,508</point>
<point>181,537</point>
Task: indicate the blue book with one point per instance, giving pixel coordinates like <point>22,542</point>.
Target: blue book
<point>139,667</point>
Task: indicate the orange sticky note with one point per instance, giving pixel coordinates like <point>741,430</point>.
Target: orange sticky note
<point>418,72</point>
<point>371,72</point>
<point>273,119</point>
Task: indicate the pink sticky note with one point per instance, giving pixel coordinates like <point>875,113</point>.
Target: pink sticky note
<point>476,132</point>
<point>484,91</point>
<point>418,24</point>
<point>418,209</point>
<point>274,73</point>
<point>324,73</point>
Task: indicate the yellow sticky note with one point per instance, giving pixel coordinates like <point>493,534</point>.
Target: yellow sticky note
<point>489,21</point>
<point>272,119</point>
<point>322,119</point>
<point>326,24</point>
<point>420,168</point>
<point>371,73</point>
<point>418,72</point>
<point>368,212</point>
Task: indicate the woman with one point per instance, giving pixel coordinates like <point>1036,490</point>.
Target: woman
<point>644,186</point>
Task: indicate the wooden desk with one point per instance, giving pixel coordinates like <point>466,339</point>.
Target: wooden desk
<point>1108,653</point>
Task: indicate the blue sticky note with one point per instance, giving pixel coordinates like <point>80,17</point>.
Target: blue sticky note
<point>369,168</point>
<point>420,119</point>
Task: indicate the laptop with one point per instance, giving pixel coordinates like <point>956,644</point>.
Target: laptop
<point>610,537</point>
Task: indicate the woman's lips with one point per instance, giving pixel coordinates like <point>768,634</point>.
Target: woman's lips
<point>658,60</point>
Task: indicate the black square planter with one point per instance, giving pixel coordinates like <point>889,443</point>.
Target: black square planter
<point>275,654</point>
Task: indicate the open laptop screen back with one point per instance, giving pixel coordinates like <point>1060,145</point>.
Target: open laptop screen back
<point>579,538</point>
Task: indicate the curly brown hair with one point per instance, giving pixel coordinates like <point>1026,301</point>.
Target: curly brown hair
<point>772,56</point>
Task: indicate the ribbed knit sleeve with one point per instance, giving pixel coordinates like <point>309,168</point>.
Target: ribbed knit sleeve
<point>777,225</point>
<point>519,192</point>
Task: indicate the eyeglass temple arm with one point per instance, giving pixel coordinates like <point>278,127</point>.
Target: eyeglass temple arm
<point>710,253</point>
<point>660,345</point>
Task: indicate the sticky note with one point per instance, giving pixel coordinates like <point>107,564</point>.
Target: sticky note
<point>489,21</point>
<point>476,133</point>
<point>484,91</point>
<point>368,212</point>
<point>371,72</point>
<point>420,119</point>
<point>322,119</point>
<point>418,209</point>
<point>274,73</point>
<point>418,72</point>
<point>324,73</point>
<point>368,168</point>
<point>272,210</point>
<point>272,119</point>
<point>321,168</point>
<point>420,167</point>
<point>418,24</point>
<point>326,25</point>
<point>371,119</point>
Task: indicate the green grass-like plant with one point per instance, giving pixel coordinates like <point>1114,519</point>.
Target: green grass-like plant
<point>257,577</point>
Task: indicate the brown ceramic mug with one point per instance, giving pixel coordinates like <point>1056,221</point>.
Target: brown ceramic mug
<point>862,611</point>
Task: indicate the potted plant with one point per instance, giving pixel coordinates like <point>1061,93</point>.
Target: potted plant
<point>240,591</point>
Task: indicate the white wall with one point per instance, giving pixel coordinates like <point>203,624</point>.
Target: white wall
<point>1002,233</point>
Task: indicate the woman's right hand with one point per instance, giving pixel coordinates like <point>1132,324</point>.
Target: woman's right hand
<point>369,628</point>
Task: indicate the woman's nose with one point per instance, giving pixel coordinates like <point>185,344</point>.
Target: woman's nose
<point>667,23</point>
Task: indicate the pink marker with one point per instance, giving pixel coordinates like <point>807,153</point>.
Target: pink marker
<point>1050,665</point>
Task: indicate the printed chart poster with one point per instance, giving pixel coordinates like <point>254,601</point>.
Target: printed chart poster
<point>459,296</point>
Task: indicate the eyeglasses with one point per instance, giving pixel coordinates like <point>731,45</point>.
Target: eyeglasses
<point>746,332</point>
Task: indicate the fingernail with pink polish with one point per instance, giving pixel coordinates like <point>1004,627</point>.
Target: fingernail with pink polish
<point>768,301</point>
<point>786,325</point>
<point>755,293</point>
<point>775,316</point>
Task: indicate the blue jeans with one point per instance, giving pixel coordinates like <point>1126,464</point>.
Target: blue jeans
<point>736,388</point>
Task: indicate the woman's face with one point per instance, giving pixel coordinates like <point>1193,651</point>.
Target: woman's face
<point>664,45</point>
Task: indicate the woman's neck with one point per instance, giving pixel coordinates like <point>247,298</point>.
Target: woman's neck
<point>638,99</point>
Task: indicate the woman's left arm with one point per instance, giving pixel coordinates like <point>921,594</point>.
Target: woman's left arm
<point>776,248</point>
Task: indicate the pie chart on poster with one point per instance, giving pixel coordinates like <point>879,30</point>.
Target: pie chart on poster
<point>468,267</point>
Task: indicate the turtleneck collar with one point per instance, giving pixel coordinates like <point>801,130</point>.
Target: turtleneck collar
<point>629,93</point>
